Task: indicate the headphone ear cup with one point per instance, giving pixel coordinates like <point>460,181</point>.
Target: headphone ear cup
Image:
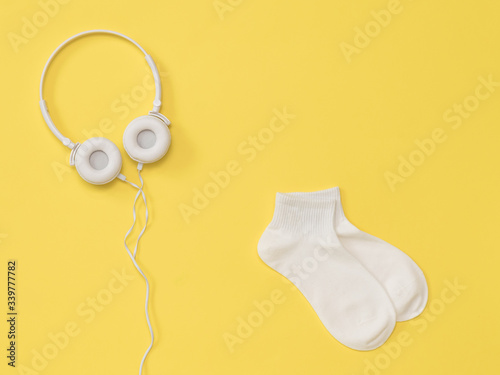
<point>146,139</point>
<point>98,161</point>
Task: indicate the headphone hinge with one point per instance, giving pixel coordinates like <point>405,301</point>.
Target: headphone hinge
<point>73,154</point>
<point>160,116</point>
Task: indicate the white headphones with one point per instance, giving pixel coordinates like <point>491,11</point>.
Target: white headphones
<point>146,139</point>
<point>98,161</point>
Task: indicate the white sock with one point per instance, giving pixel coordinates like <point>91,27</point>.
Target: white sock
<point>300,243</point>
<point>400,276</point>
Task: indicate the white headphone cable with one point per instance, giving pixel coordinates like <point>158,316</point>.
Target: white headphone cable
<point>132,256</point>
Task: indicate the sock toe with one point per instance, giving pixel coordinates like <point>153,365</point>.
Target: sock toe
<point>411,300</point>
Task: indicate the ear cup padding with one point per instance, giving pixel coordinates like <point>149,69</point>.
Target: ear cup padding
<point>101,169</point>
<point>159,139</point>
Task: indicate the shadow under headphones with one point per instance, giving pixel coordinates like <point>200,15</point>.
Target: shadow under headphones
<point>146,139</point>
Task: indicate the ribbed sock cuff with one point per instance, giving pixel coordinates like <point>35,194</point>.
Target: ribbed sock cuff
<point>331,194</point>
<point>327,195</point>
<point>304,213</point>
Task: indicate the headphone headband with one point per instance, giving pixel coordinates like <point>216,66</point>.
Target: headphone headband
<point>43,105</point>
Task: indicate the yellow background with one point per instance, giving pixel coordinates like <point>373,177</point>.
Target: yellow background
<point>223,76</point>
